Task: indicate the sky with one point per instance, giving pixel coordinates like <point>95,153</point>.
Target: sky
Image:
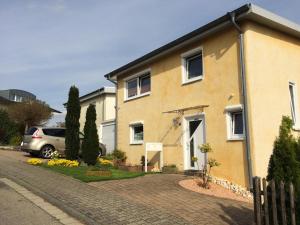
<point>46,46</point>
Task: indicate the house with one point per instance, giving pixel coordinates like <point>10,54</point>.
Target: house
<point>104,100</point>
<point>14,96</point>
<point>227,83</point>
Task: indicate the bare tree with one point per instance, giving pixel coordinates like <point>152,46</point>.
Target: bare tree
<point>30,113</point>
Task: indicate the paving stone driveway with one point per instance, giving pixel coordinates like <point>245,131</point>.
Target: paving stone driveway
<point>153,199</point>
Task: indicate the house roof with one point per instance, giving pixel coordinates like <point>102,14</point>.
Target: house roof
<point>96,93</point>
<point>248,11</point>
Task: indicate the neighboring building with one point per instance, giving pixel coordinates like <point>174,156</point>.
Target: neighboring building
<point>189,92</point>
<point>104,100</point>
<point>16,95</point>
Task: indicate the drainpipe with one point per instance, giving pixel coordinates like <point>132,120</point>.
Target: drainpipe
<point>244,96</point>
<point>116,108</point>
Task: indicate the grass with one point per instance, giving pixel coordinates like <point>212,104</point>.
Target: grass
<point>80,173</point>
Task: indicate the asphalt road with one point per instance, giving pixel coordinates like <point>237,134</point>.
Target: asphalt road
<point>17,210</point>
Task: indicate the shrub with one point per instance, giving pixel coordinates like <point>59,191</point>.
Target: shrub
<point>108,156</point>
<point>284,164</point>
<point>90,144</point>
<point>119,155</point>
<point>15,140</point>
<point>8,128</point>
<point>34,161</point>
<point>72,124</point>
<point>209,164</point>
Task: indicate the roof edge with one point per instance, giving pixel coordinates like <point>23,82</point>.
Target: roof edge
<point>185,38</point>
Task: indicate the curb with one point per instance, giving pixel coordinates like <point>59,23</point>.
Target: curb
<point>9,148</point>
<point>55,202</point>
<point>52,210</point>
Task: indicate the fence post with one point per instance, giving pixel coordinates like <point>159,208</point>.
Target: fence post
<point>274,207</point>
<point>292,204</point>
<point>282,203</point>
<point>257,200</point>
<point>266,204</point>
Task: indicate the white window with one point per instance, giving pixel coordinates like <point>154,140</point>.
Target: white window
<point>138,85</point>
<point>294,105</point>
<point>192,65</point>
<point>136,133</point>
<point>235,122</point>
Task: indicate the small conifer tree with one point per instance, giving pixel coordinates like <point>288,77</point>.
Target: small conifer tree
<point>283,165</point>
<point>90,144</point>
<point>72,140</point>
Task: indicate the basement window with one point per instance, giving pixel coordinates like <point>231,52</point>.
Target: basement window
<point>136,133</point>
<point>235,122</point>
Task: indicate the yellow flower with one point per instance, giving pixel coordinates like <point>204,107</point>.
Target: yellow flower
<point>194,159</point>
<point>34,161</point>
<point>105,161</point>
<point>63,162</point>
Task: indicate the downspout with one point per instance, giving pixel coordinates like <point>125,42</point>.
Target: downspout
<point>116,108</point>
<point>244,96</point>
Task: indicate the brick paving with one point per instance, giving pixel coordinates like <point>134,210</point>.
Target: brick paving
<point>153,199</point>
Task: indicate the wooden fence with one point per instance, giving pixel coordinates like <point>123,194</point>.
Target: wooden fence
<point>273,205</point>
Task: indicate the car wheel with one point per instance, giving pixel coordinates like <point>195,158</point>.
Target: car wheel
<point>47,151</point>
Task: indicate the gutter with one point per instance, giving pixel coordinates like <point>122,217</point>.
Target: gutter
<point>244,96</point>
<point>117,109</point>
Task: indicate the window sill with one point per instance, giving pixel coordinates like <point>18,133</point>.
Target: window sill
<point>137,96</point>
<point>236,138</point>
<point>192,80</point>
<point>137,143</point>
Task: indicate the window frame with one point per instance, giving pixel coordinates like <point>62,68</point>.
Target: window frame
<point>137,77</point>
<point>131,138</point>
<point>184,65</point>
<point>294,107</point>
<point>230,111</point>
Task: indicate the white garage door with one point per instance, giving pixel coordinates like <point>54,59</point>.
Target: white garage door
<point>108,136</point>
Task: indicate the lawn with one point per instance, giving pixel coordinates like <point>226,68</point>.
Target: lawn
<point>80,173</point>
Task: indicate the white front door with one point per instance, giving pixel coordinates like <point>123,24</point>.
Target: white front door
<point>194,137</point>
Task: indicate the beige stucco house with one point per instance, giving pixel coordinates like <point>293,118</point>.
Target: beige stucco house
<point>227,83</point>
<point>104,100</point>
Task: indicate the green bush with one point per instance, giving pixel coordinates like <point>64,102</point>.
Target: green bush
<point>15,140</point>
<point>119,155</point>
<point>108,156</point>
<point>8,128</point>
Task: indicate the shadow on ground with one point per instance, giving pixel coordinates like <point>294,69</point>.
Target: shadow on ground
<point>236,215</point>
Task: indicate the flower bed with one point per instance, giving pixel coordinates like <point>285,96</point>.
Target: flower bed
<point>103,170</point>
<point>34,161</point>
<point>63,162</point>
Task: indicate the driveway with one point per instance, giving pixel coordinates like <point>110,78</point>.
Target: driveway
<point>152,199</point>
